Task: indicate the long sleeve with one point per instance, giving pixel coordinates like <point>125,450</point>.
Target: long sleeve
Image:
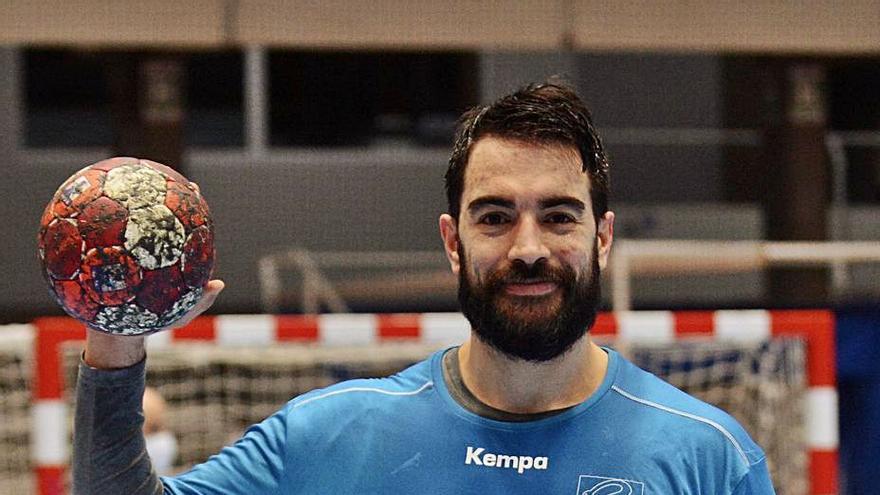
<point>109,451</point>
<point>254,465</point>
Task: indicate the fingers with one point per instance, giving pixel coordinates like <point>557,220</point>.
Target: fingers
<point>215,285</point>
<point>212,290</point>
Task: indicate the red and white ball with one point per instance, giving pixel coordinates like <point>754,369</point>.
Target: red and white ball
<point>127,246</point>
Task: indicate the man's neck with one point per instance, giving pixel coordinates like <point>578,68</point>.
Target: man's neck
<point>523,387</point>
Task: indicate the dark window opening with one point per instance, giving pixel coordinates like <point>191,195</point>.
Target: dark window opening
<point>854,105</point>
<point>66,100</point>
<point>215,99</point>
<point>326,99</point>
<point>69,100</point>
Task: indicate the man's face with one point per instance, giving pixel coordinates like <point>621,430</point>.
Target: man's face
<point>526,248</point>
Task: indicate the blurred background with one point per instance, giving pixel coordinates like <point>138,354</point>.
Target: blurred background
<point>326,126</point>
<point>319,134</point>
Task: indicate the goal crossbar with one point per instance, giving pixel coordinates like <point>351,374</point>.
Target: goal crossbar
<point>663,257</point>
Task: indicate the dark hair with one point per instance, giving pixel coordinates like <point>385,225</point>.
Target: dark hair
<point>542,113</point>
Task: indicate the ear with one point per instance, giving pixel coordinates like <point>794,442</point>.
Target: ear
<point>605,237</point>
<point>449,233</point>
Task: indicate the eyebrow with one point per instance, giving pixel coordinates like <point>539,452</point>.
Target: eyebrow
<point>563,201</point>
<point>552,202</point>
<point>491,201</point>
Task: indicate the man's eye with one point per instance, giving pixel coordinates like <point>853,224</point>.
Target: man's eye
<point>492,219</point>
<point>560,218</point>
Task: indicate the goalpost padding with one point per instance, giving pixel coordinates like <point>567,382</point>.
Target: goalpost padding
<point>50,415</point>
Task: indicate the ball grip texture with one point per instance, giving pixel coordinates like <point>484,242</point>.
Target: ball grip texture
<point>127,245</point>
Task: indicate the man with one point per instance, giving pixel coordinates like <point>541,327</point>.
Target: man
<point>528,404</point>
<point>160,441</point>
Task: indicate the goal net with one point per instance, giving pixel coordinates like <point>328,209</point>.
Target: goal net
<point>15,405</point>
<point>213,394</point>
<point>223,374</point>
<point>761,384</point>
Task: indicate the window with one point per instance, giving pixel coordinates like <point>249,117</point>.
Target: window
<point>69,102</point>
<point>66,99</point>
<point>215,99</point>
<point>322,99</point>
<point>854,104</point>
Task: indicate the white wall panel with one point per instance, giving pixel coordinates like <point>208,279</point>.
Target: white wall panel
<point>402,23</point>
<point>101,22</point>
<point>729,25</point>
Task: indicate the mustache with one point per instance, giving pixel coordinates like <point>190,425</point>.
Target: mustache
<point>519,272</point>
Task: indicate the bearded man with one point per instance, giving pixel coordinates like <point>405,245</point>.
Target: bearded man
<point>528,404</point>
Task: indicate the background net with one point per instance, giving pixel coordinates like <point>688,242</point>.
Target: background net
<point>763,385</point>
<point>214,393</point>
<point>15,419</point>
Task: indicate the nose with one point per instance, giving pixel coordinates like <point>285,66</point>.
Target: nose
<point>528,245</point>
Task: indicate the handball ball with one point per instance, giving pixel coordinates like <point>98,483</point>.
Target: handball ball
<point>127,246</point>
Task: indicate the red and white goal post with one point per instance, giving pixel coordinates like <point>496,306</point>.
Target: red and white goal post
<point>51,412</point>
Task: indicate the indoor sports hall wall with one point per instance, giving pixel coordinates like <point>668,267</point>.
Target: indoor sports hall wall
<point>387,199</point>
<point>640,65</point>
<point>747,25</point>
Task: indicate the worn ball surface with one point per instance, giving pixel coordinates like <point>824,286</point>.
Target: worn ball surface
<point>127,246</point>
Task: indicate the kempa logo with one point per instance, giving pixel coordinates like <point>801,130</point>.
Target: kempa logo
<point>600,485</point>
<point>521,463</point>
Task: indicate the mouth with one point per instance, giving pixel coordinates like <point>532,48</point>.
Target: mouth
<point>530,288</point>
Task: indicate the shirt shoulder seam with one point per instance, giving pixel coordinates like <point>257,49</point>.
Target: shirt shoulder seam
<point>376,390</point>
<point>714,424</point>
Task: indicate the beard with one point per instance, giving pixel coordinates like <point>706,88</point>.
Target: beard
<point>535,329</point>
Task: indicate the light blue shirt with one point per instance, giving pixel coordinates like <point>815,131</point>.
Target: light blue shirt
<point>405,434</point>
